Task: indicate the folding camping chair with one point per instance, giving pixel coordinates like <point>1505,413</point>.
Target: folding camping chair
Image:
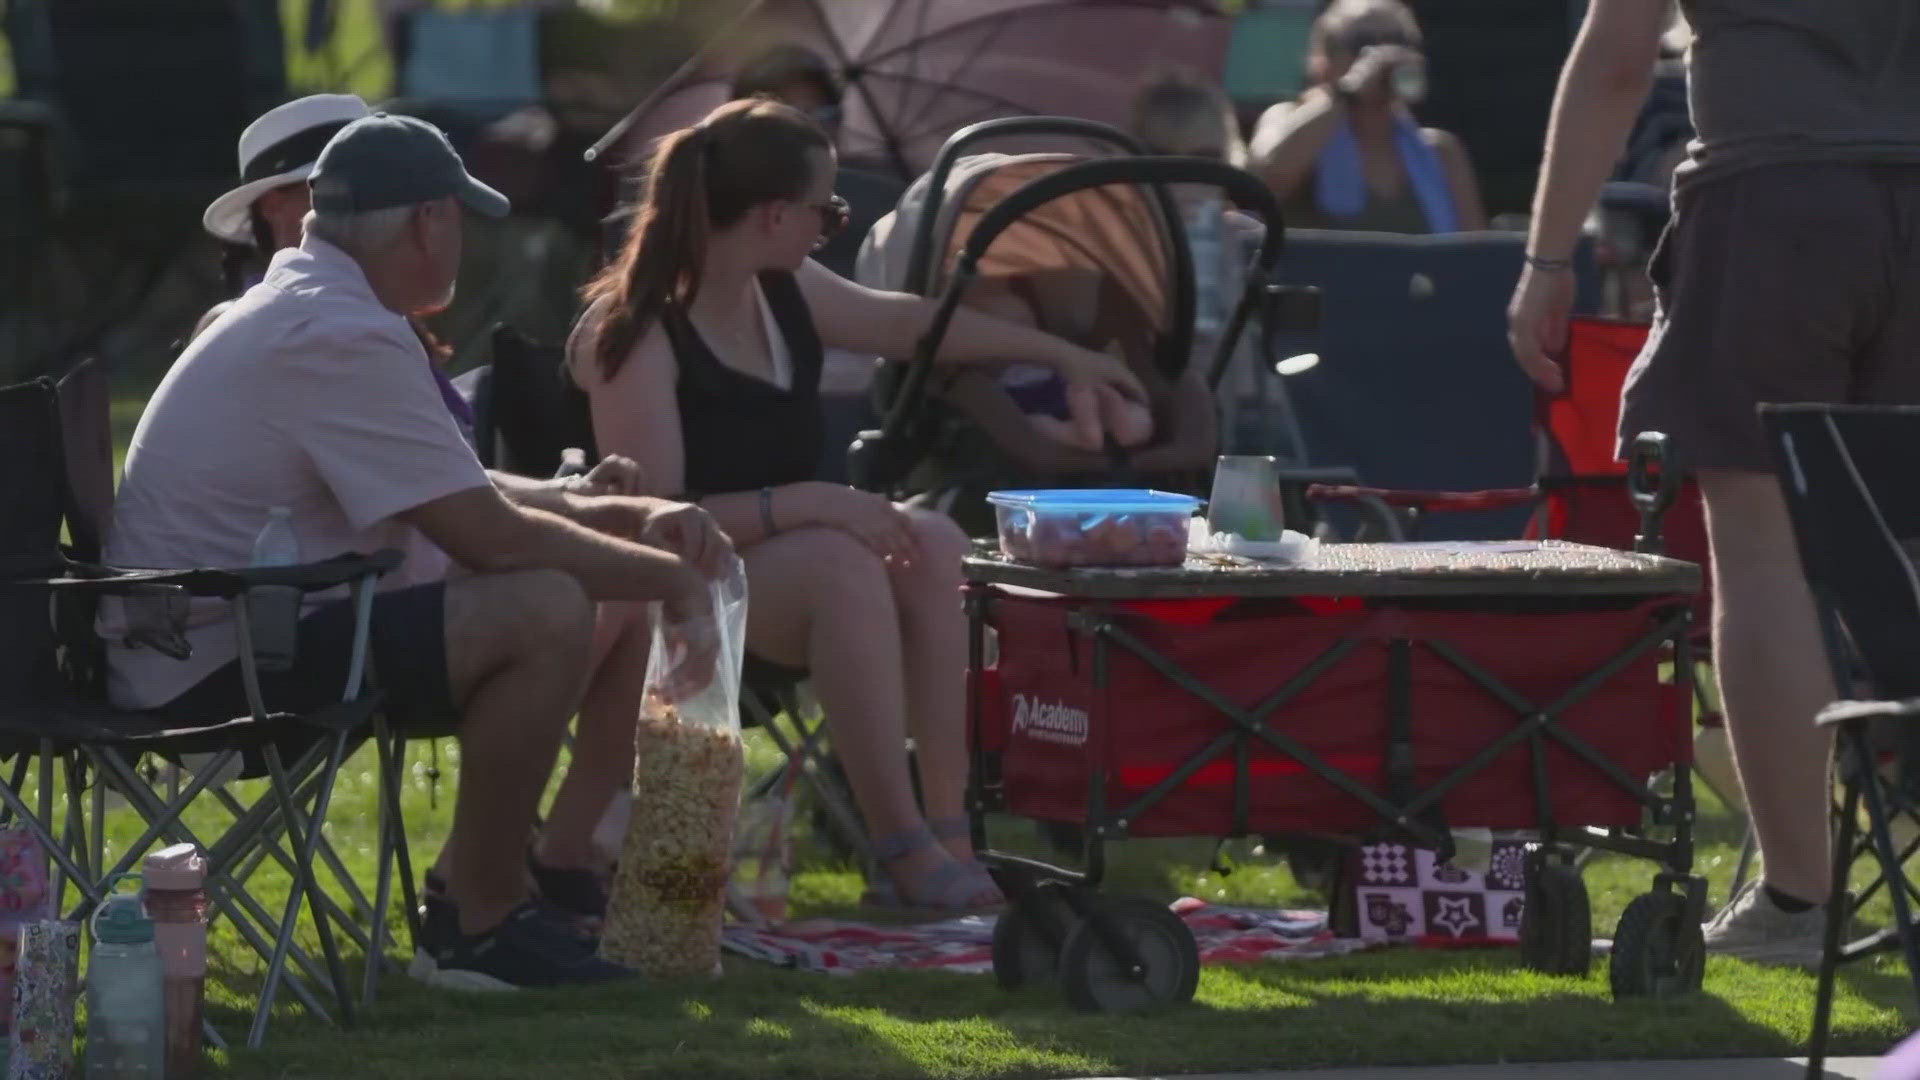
<point>53,707</point>
<point>1847,474</point>
<point>527,416</point>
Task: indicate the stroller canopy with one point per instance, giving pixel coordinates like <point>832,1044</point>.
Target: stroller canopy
<point>1115,231</point>
<point>918,70</point>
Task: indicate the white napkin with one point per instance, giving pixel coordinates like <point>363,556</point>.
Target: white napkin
<point>1292,547</point>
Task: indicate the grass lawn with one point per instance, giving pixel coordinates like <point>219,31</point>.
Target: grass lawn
<point>1386,1007</point>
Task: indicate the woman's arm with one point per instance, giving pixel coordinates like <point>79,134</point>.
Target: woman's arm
<point>636,414</point>
<point>1289,138</point>
<point>890,324</point>
<point>1469,208</point>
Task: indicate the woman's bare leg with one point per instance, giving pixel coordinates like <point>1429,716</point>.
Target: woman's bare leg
<point>824,602</point>
<point>933,633</point>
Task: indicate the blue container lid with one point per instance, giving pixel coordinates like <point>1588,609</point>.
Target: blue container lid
<point>1098,500</point>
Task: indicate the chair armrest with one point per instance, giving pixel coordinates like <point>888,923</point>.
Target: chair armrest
<point>1841,712</point>
<point>221,583</point>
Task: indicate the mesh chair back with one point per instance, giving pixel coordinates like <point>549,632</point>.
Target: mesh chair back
<point>31,490</point>
<point>536,410</point>
<point>1847,472</point>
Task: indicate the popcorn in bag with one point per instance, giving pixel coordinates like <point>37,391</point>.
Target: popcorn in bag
<point>669,893</point>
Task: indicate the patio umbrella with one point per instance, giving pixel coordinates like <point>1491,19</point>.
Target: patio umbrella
<point>918,70</point>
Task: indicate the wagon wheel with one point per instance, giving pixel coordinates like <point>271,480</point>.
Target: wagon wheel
<point>1556,926</point>
<point>1028,939</point>
<point>1658,950</point>
<point>1097,980</point>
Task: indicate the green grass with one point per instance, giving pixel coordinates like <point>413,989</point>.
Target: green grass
<point>1398,1006</point>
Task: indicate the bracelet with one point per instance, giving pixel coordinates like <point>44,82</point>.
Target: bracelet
<point>1552,266</point>
<point>767,525</point>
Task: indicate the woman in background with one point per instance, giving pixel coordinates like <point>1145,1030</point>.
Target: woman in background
<point>1349,154</point>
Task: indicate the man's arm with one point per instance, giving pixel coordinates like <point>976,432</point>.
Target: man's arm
<point>1602,88</point>
<point>486,532</point>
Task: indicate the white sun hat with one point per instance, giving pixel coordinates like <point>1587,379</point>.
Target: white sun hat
<point>277,149</point>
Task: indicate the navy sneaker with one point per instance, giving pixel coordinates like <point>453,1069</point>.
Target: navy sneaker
<point>578,893</point>
<point>526,951</point>
<point>440,928</point>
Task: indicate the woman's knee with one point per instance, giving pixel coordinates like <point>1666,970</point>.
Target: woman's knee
<point>943,547</point>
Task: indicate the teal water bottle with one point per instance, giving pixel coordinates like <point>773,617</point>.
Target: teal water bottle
<point>126,1002</point>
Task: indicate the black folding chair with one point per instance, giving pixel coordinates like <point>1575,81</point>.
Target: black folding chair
<point>527,416</point>
<point>54,710</point>
<point>1847,472</point>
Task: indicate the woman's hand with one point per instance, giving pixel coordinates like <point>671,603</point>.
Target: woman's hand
<point>1372,71</point>
<point>871,519</point>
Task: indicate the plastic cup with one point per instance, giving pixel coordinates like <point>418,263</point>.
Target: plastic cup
<point>1246,498</point>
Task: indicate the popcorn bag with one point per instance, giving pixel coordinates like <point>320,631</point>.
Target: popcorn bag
<point>669,893</point>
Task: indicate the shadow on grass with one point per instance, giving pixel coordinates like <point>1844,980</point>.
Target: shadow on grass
<point>1401,1007</point>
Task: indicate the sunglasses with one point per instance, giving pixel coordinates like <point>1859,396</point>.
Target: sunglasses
<point>834,216</point>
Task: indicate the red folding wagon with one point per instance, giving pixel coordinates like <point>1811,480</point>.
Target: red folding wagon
<point>1372,691</point>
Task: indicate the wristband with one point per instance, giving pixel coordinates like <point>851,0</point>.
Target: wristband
<point>767,525</point>
<point>1552,266</point>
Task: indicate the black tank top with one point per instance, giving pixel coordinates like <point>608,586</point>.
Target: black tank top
<point>742,433</point>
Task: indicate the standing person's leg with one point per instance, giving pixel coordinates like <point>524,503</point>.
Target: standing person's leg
<point>1771,284</point>
<point>1773,676</point>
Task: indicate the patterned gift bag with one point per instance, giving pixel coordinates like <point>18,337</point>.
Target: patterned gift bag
<point>1403,894</point>
<point>23,899</point>
<point>40,1046</point>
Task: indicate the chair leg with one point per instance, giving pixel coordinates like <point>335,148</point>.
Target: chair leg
<point>1889,859</point>
<point>1749,847</point>
<point>383,886</point>
<point>303,886</point>
<point>246,914</point>
<point>1835,929</point>
<point>401,853</point>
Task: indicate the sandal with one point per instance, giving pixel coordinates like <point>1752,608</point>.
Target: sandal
<point>956,887</point>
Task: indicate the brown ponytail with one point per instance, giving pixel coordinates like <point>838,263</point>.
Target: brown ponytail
<point>702,178</point>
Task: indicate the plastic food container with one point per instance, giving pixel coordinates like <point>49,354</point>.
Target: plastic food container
<point>1094,528</point>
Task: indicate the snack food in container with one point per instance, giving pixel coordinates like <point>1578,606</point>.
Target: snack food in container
<point>1082,528</point>
<point>669,893</point>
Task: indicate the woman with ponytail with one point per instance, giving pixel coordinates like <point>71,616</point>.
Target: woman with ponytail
<point>701,351</point>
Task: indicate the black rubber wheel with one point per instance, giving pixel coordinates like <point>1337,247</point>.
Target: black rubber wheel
<point>1658,951</point>
<point>1098,981</point>
<point>1029,936</point>
<point>1556,926</point>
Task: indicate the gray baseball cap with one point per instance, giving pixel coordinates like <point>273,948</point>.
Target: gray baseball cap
<point>382,161</point>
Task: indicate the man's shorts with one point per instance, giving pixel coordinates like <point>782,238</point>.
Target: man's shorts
<point>1787,283</point>
<point>407,661</point>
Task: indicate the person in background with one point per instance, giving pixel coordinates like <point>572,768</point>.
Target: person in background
<point>1186,116</point>
<point>796,76</point>
<point>1787,274</point>
<point>1349,154</point>
<point>700,351</point>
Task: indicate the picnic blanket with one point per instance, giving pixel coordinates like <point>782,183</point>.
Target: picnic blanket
<point>1227,935</point>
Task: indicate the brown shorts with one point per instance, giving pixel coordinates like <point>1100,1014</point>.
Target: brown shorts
<point>1787,283</point>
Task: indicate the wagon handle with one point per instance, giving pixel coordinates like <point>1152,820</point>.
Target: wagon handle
<point>1653,486</point>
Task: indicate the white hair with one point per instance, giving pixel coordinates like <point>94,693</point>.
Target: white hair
<point>360,233</point>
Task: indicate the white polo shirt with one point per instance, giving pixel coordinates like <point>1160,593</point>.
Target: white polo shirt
<point>306,394</point>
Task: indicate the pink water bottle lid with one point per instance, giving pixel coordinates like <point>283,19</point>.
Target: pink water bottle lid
<point>178,867</point>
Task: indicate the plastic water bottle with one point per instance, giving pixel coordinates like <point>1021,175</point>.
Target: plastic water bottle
<point>274,610</point>
<point>126,1003</point>
<point>1205,221</point>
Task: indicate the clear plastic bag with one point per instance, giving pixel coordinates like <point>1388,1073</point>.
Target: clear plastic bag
<point>669,892</point>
